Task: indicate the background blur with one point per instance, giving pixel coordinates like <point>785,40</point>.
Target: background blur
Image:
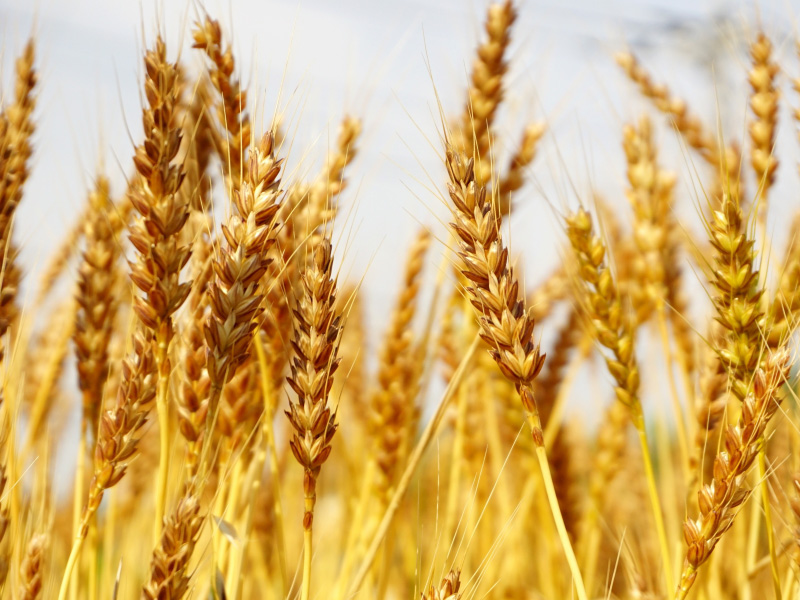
<point>372,59</point>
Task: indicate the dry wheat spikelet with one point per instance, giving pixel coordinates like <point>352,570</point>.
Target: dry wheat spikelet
<point>614,330</point>
<point>235,139</point>
<point>236,294</point>
<point>317,333</point>
<point>473,137</point>
<point>448,589</point>
<point>155,233</point>
<point>195,385</point>
<point>738,293</point>
<point>684,122</point>
<point>650,196</point>
<point>16,130</point>
<point>725,160</point>
<point>169,568</point>
<point>718,501</point>
<point>32,568</point>
<point>120,426</point>
<point>392,404</point>
<point>98,278</point>
<point>492,288</point>
<point>611,327</point>
<point>304,212</point>
<point>317,330</point>
<point>712,400</point>
<point>764,104</point>
<point>505,325</point>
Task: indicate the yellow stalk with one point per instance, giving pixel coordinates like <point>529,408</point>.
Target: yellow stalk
<point>773,558</point>
<point>77,499</point>
<point>652,489</point>
<point>163,426</point>
<point>307,549</point>
<point>541,456</point>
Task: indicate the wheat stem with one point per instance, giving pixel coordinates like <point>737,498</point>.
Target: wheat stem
<point>773,558</point>
<point>77,498</point>
<point>74,554</point>
<point>652,490</point>
<point>162,409</point>
<point>559,520</point>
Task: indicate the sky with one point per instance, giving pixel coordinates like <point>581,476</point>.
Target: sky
<point>387,61</point>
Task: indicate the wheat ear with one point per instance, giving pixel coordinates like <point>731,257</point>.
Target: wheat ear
<point>615,332</point>
<point>156,235</point>
<point>169,567</point>
<point>317,329</point>
<point>505,325</point>
<point>16,130</point>
<point>727,491</point>
<point>448,589</point>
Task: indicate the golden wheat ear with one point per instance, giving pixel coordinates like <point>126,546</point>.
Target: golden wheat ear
<point>720,500</point>
<point>98,279</point>
<point>170,576</point>
<point>317,332</point>
<point>232,117</point>
<point>764,104</point>
<point>16,130</point>
<point>448,589</point>
<point>486,90</point>
<point>32,569</point>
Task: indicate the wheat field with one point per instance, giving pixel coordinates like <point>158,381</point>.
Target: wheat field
<point>209,378</point>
